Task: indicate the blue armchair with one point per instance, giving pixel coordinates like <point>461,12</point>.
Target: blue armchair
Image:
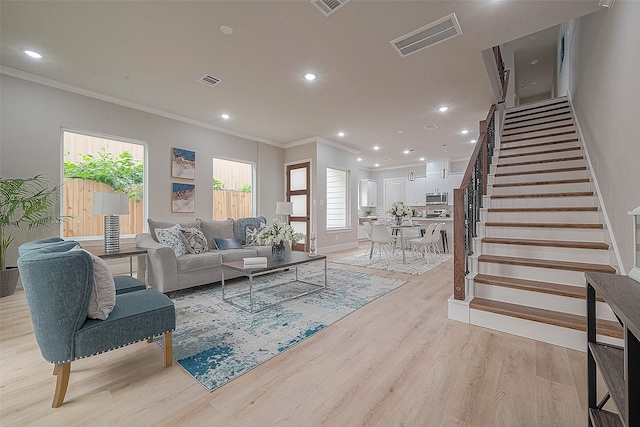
<point>58,286</point>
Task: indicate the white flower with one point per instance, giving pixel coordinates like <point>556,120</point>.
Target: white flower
<point>400,209</point>
<point>278,233</point>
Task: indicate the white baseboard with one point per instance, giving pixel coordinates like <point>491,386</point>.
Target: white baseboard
<point>459,309</point>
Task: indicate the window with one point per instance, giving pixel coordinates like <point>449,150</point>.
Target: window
<point>337,196</point>
<point>232,185</point>
<point>100,164</point>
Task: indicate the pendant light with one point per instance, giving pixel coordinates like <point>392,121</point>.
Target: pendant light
<point>411,176</point>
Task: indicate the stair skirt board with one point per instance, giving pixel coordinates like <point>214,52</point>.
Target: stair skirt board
<point>545,301</point>
<point>551,334</point>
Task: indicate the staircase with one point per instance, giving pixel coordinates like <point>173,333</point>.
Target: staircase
<point>539,233</point>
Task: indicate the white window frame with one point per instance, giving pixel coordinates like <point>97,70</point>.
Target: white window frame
<point>337,199</point>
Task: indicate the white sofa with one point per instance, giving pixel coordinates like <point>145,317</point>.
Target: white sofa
<point>166,272</point>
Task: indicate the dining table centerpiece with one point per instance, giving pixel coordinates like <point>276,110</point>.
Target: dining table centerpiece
<point>400,211</point>
<point>278,236</point>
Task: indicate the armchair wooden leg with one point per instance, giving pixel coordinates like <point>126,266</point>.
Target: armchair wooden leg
<point>149,340</point>
<point>62,371</point>
<point>168,349</point>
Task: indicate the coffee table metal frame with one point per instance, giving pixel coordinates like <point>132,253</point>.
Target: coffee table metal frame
<point>293,260</point>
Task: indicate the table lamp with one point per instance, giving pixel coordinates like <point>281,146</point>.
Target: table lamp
<point>111,205</point>
<point>284,209</point>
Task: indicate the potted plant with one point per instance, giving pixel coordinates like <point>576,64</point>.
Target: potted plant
<point>25,204</point>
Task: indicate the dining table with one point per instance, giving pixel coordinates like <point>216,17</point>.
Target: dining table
<point>395,229</point>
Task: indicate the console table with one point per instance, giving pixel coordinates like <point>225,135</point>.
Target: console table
<point>620,367</point>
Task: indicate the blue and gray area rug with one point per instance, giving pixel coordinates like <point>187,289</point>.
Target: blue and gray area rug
<point>414,265</point>
<point>216,342</point>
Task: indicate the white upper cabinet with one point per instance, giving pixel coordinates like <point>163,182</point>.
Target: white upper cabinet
<point>414,192</point>
<point>368,193</point>
<point>437,176</point>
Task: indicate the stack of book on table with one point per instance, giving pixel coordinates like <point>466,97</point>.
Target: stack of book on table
<point>255,262</point>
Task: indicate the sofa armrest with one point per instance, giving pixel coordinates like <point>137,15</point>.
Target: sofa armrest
<point>162,266</point>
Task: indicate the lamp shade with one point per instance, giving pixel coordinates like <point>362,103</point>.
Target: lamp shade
<point>284,208</point>
<point>111,203</point>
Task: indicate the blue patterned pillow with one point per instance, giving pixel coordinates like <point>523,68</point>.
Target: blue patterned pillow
<point>172,237</point>
<point>223,244</point>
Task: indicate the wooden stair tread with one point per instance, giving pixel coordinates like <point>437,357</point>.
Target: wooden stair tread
<point>539,144</point>
<point>512,115</point>
<point>558,289</point>
<point>571,169</point>
<point>537,195</point>
<point>553,209</point>
<point>512,123</point>
<point>537,162</point>
<point>544,224</point>
<point>521,132</point>
<point>558,181</point>
<point>529,138</point>
<point>544,263</point>
<point>550,317</point>
<point>536,153</point>
<point>549,243</point>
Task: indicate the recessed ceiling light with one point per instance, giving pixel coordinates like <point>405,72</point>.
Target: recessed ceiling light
<point>376,148</point>
<point>225,116</point>
<point>359,159</point>
<point>422,159</point>
<point>376,165</point>
<point>443,109</point>
<point>340,133</point>
<point>534,83</point>
<point>32,54</point>
<point>400,131</point>
<point>524,87</point>
<point>226,30</point>
<point>406,151</point>
<point>534,62</point>
<point>310,76</point>
<point>473,141</point>
<point>464,131</point>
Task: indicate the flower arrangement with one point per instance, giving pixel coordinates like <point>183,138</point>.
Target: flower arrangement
<point>399,210</point>
<point>277,233</point>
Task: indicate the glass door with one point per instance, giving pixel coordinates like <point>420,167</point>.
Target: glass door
<point>299,193</point>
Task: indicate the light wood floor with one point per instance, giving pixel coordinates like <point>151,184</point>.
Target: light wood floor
<point>397,361</point>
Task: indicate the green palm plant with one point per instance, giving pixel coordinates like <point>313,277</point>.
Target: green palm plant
<point>25,204</point>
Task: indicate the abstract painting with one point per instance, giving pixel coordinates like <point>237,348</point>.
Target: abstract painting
<point>183,163</point>
<point>183,197</point>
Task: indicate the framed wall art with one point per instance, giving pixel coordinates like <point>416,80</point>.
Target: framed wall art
<point>183,163</point>
<point>183,197</point>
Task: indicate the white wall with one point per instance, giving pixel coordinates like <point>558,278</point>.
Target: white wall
<point>605,91</point>
<point>33,114</point>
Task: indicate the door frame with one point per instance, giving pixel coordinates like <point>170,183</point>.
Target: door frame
<point>300,164</point>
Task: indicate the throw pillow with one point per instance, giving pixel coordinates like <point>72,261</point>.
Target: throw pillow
<point>194,240</point>
<point>103,293</point>
<point>223,244</point>
<point>172,237</point>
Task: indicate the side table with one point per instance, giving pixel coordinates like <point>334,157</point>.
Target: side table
<point>127,250</point>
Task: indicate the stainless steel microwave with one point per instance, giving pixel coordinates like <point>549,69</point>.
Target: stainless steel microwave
<point>436,199</point>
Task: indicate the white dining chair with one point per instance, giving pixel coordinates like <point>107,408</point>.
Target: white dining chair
<point>422,245</point>
<point>382,240</point>
<point>435,248</point>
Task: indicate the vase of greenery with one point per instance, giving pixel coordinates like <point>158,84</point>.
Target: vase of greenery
<point>278,236</point>
<point>25,204</point>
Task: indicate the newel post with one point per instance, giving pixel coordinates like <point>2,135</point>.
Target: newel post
<point>459,235</point>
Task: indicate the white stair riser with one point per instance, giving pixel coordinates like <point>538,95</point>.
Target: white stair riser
<point>526,140</point>
<point>564,337</point>
<point>538,166</point>
<point>541,233</point>
<point>539,157</point>
<point>538,189</point>
<point>525,150</point>
<point>515,115</point>
<point>539,134</point>
<point>595,256</point>
<point>536,119</point>
<point>557,126</point>
<point>542,300</point>
<point>541,202</point>
<point>552,275</point>
<point>574,217</point>
<point>539,176</point>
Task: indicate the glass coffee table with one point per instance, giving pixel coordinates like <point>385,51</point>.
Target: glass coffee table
<point>292,261</point>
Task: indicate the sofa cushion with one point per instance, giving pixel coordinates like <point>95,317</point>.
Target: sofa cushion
<point>223,229</point>
<point>194,240</point>
<point>203,261</point>
<point>164,224</point>
<point>247,224</point>
<point>224,244</point>
<point>172,237</point>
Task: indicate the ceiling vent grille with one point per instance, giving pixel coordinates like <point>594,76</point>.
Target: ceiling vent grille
<point>328,6</point>
<point>209,80</point>
<point>430,127</point>
<point>434,33</point>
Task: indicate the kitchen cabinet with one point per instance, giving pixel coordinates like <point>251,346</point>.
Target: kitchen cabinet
<point>435,182</point>
<point>619,367</point>
<point>455,179</point>
<point>414,192</point>
<point>368,193</point>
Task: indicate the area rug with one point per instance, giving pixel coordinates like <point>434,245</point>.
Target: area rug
<point>414,266</point>
<point>216,342</point>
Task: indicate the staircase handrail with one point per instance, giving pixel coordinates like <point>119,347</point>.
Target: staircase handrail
<point>467,199</point>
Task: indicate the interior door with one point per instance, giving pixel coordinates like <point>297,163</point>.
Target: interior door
<point>299,193</point>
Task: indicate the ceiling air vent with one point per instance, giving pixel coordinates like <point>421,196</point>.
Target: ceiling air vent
<point>209,80</point>
<point>430,127</point>
<point>328,6</point>
<point>434,33</point>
